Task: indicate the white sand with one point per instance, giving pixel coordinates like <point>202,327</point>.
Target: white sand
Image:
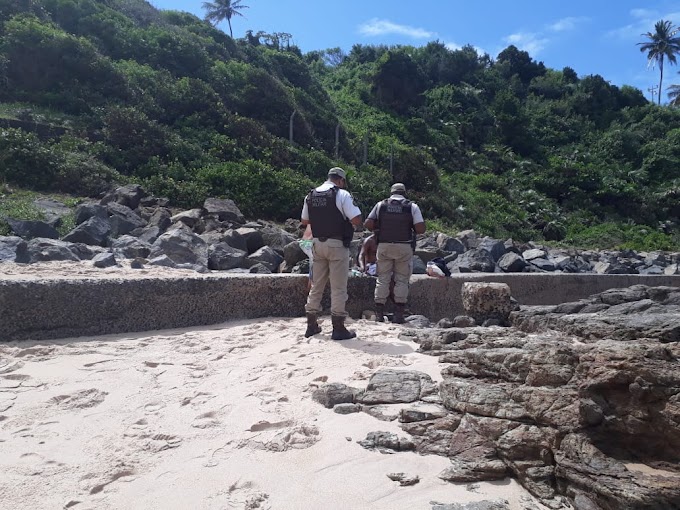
<point>217,417</point>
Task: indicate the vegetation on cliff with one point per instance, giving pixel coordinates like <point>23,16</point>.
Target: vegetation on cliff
<point>114,91</point>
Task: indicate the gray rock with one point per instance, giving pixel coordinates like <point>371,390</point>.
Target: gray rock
<point>512,263</point>
<point>347,408</point>
<point>543,264</point>
<point>277,239</point>
<point>253,237</point>
<point>267,257</point>
<point>147,234</point>
<point>223,209</point>
<point>45,250</point>
<point>161,218</point>
<point>95,231</point>
<point>190,218</point>
<point>487,300</point>
<point>222,257</point>
<point>293,254</point>
<point>468,238</point>
<point>29,229</point>
<point>464,321</point>
<point>163,261</point>
<point>103,260</point>
<point>389,386</point>
<point>129,195</point>
<point>13,249</point>
<point>259,269</point>
<point>332,394</point>
<point>88,210</point>
<point>123,220</point>
<point>445,323</point>
<point>495,247</point>
<point>450,244</point>
<point>419,266</point>
<point>473,261</point>
<point>130,247</point>
<point>182,246</point>
<point>534,253</point>
<point>386,442</point>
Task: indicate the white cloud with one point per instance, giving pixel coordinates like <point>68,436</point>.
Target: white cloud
<point>376,27</point>
<point>455,46</point>
<point>568,23</point>
<point>644,22</point>
<point>530,42</point>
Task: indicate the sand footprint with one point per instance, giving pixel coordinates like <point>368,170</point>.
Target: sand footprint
<point>153,407</point>
<point>80,400</point>
<point>206,420</point>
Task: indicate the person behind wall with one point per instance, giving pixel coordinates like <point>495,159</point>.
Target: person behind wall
<point>368,256</point>
<point>395,221</point>
<point>331,212</point>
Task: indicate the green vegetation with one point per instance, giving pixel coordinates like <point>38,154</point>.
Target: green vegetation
<point>96,93</point>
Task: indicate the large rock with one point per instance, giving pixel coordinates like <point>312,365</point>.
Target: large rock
<point>276,238</point>
<point>473,261</point>
<point>512,263</point>
<point>123,219</point>
<point>129,247</point>
<point>222,257</point>
<point>389,386</point>
<point>29,229</point>
<point>88,210</point>
<point>95,231</point>
<point>253,237</point>
<point>450,244</point>
<point>484,301</point>
<point>182,246</point>
<point>161,218</point>
<point>267,257</point>
<point>129,195</point>
<point>46,250</point>
<point>190,218</point>
<point>13,249</point>
<point>223,209</point>
<point>293,254</point>
<point>494,247</point>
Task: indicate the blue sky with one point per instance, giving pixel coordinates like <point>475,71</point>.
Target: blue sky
<point>592,37</point>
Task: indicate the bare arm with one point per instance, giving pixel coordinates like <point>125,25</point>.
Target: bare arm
<point>370,224</point>
<point>356,221</point>
<point>362,257</point>
<point>419,228</point>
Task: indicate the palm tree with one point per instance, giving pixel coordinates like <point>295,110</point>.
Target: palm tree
<point>219,10</point>
<point>674,95</point>
<point>662,44</point>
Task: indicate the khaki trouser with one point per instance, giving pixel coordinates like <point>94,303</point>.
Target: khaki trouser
<point>397,259</point>
<point>331,262</point>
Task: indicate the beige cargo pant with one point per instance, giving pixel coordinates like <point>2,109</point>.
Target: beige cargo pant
<point>397,259</point>
<point>331,262</point>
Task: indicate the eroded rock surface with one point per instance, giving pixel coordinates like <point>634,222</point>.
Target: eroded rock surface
<point>580,402</point>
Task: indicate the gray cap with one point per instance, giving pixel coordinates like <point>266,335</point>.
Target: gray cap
<point>398,188</point>
<point>336,170</point>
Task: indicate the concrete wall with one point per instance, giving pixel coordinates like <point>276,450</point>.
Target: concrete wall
<point>82,307</point>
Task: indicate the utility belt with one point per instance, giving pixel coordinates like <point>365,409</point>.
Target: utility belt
<point>324,239</point>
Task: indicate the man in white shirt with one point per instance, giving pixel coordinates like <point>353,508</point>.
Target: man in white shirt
<point>331,212</point>
<point>396,221</point>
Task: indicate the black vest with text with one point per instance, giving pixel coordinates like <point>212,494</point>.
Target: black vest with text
<point>395,221</point>
<point>326,219</point>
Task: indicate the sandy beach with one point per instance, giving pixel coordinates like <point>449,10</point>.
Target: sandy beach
<point>217,417</point>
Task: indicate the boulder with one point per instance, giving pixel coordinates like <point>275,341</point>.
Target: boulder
<point>161,218</point>
<point>223,209</point>
<point>45,250</point>
<point>29,229</point>
<point>129,195</point>
<point>494,247</point>
<point>293,254</point>
<point>182,246</point>
<point>483,301</point>
<point>123,219</point>
<point>419,265</point>
<point>277,238</point>
<point>13,249</point>
<point>473,261</point>
<point>190,218</point>
<point>253,238</point>
<point>267,257</point>
<point>222,257</point>
<point>512,263</point>
<point>129,247</point>
<point>86,211</point>
<point>95,231</point>
<point>389,386</point>
<point>104,260</point>
<point>450,244</point>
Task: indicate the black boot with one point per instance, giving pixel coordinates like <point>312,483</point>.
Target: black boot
<point>312,326</point>
<point>379,312</point>
<point>398,313</point>
<point>339,330</point>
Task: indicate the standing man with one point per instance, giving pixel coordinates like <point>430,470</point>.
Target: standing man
<point>331,212</point>
<point>396,221</point>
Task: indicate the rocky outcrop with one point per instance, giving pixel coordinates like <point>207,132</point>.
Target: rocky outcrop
<point>580,402</point>
<point>130,210</point>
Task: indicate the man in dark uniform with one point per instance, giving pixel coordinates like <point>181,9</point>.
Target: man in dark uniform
<point>331,212</point>
<point>396,221</point>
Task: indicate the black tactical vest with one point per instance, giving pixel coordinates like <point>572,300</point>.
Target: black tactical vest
<point>395,221</point>
<point>326,219</point>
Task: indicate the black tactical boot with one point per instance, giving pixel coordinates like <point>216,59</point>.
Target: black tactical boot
<point>312,326</point>
<point>339,330</point>
<point>398,313</point>
<point>379,312</point>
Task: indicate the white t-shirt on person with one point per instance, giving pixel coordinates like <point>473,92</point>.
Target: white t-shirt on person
<point>343,201</point>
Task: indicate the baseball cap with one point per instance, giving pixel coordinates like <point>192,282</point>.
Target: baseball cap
<point>336,170</point>
<point>398,188</point>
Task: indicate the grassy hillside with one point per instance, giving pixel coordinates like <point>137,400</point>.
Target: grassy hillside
<point>111,91</point>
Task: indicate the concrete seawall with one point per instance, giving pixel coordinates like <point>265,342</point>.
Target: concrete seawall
<point>61,308</point>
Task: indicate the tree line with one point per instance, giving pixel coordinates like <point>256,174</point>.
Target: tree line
<point>504,145</point>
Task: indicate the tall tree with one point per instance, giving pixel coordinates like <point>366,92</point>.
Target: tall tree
<point>219,10</point>
<point>662,44</point>
<point>674,95</point>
